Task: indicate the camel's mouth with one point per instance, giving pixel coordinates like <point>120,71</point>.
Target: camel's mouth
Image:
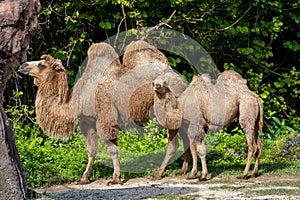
<point>24,69</point>
<point>157,88</point>
<point>28,67</point>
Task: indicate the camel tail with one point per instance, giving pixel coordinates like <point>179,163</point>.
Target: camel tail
<point>261,116</point>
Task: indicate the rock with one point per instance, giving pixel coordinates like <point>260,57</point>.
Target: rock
<point>291,148</point>
<point>18,23</point>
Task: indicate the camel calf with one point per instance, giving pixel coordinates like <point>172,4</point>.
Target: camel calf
<point>203,106</point>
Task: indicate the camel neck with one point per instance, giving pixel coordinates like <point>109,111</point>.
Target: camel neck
<point>54,110</point>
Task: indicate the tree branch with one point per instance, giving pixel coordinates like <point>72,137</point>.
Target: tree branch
<point>119,26</point>
<point>239,19</point>
<point>230,26</point>
<point>157,26</point>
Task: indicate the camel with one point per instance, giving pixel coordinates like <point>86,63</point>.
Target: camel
<point>108,97</point>
<point>206,106</point>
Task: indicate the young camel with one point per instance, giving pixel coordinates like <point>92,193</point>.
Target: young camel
<point>205,106</point>
<point>105,99</point>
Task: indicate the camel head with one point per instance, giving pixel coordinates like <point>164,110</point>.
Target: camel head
<point>43,70</point>
<point>160,86</point>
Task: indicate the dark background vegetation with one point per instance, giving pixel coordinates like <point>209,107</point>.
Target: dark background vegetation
<point>259,39</point>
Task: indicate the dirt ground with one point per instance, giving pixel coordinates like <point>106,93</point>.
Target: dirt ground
<point>178,188</point>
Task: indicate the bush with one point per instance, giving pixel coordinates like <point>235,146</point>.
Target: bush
<point>226,149</point>
<point>47,161</point>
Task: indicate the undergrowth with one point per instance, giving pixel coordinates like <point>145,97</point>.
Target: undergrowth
<point>47,161</point>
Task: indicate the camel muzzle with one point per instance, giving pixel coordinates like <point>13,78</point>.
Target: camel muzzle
<point>157,86</point>
<point>24,68</point>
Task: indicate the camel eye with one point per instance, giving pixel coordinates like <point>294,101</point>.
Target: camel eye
<point>41,66</point>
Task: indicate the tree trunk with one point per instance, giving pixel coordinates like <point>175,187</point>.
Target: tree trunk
<point>18,23</point>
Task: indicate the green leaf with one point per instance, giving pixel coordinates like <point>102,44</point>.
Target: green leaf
<point>293,45</point>
<point>276,120</point>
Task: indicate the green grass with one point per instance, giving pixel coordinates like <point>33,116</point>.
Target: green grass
<point>47,161</point>
<point>270,191</point>
<point>264,187</point>
<point>261,186</point>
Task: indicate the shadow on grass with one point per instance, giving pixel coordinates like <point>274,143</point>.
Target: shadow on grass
<point>141,163</point>
<point>120,193</point>
<point>265,169</point>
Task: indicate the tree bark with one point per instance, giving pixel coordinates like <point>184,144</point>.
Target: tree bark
<point>18,23</point>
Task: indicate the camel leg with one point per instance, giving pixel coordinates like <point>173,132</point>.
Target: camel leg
<point>187,152</point>
<point>193,148</point>
<point>201,150</point>
<point>113,150</point>
<point>258,154</point>
<point>251,147</point>
<point>249,159</point>
<point>172,147</point>
<point>248,119</point>
<point>185,164</point>
<point>92,140</point>
<point>186,145</point>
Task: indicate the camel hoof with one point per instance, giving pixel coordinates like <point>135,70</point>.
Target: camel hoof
<point>202,179</point>
<point>82,182</point>
<point>243,177</point>
<point>253,175</point>
<point>155,177</point>
<point>191,177</point>
<point>114,182</point>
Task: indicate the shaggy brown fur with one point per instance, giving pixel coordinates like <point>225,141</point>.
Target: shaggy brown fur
<point>107,97</point>
<point>138,105</point>
<point>166,107</point>
<point>104,110</point>
<point>216,106</point>
<point>57,107</point>
<point>53,98</point>
<point>125,101</point>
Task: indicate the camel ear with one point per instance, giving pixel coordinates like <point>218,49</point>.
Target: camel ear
<point>47,57</point>
<point>56,63</point>
<point>166,83</point>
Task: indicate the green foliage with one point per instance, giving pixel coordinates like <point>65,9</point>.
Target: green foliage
<point>258,39</point>
<point>149,140</point>
<point>47,161</point>
<point>273,148</point>
<point>278,128</point>
<point>225,149</point>
<point>19,113</point>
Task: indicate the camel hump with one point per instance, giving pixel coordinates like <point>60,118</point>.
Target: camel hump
<point>203,79</point>
<point>139,45</point>
<point>141,53</point>
<point>102,50</point>
<point>101,56</point>
<point>231,77</point>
